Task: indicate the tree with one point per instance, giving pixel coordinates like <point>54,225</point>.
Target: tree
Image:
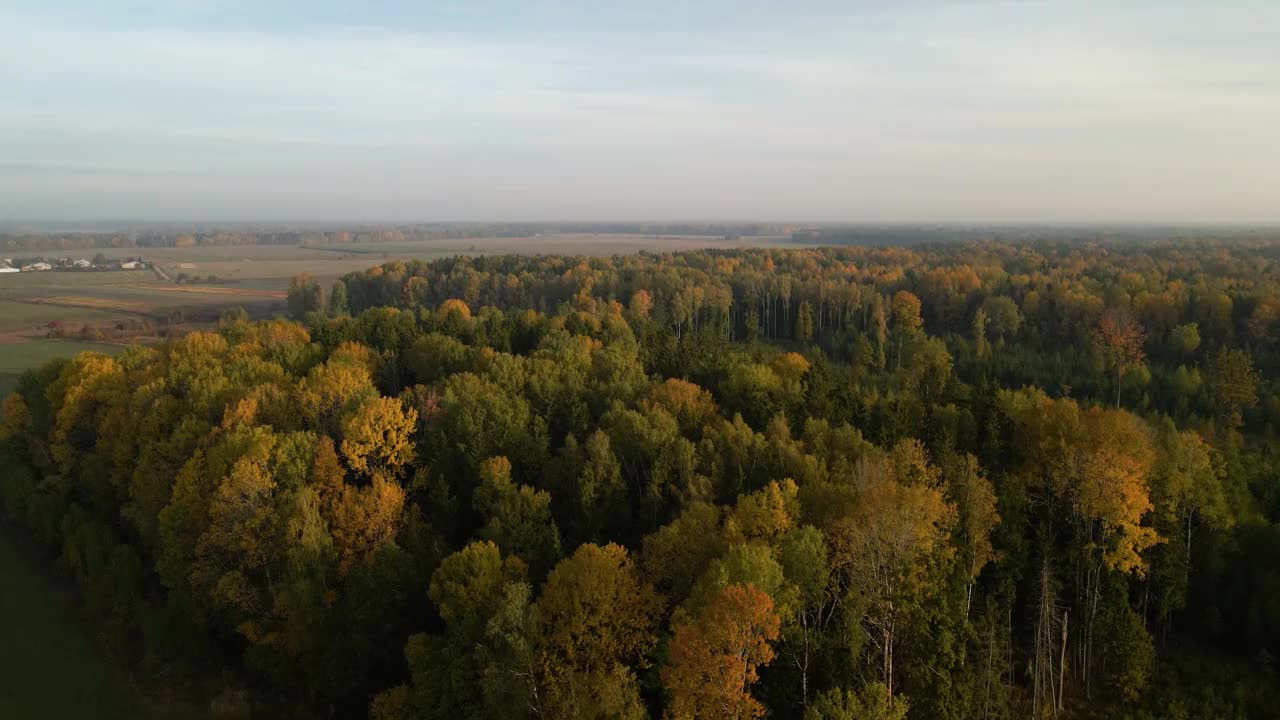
<point>433,357</point>
<point>478,420</point>
<point>640,305</point>
<point>905,311</point>
<point>804,559</point>
<point>305,295</point>
<point>1120,339</point>
<point>870,702</point>
<point>468,670</point>
<point>377,437</point>
<point>1002,315</point>
<point>594,623</point>
<point>804,323</point>
<point>981,348</point>
<point>1113,487</point>
<point>676,554</point>
<point>691,406</point>
<point>975,502</point>
<point>1185,338</point>
<point>338,298</point>
<point>333,389</point>
<point>1187,486</point>
<point>765,514</point>
<point>600,506</point>
<point>1188,493</point>
<point>744,563</point>
<point>1234,384</point>
<point>363,520</point>
<point>516,517</point>
<point>467,587</point>
<point>886,549</point>
<point>713,659</point>
<point>1128,654</point>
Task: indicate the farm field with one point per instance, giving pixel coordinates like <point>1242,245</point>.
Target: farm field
<point>30,316</point>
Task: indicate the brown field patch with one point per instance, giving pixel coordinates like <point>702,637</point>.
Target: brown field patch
<point>207,290</point>
<point>95,303</point>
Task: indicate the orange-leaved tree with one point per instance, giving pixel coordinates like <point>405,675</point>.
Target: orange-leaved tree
<point>714,658</point>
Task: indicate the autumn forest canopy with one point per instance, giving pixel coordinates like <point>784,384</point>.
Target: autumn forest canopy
<point>971,480</point>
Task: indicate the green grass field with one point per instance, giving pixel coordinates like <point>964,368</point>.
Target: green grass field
<point>50,665</point>
<point>19,281</point>
<point>15,358</point>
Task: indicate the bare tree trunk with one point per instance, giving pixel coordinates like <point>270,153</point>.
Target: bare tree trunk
<point>1044,681</point>
<point>1062,662</point>
<point>887,634</point>
<point>991,653</point>
<point>1095,581</point>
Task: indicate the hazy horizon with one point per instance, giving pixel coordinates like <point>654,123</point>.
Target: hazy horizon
<point>986,113</point>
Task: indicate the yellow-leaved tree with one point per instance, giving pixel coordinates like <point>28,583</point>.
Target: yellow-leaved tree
<point>377,437</point>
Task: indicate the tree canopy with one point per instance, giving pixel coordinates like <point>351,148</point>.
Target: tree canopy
<point>975,480</point>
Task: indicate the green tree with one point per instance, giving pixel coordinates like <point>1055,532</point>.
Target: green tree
<point>1234,385</point>
<point>804,322</point>
<point>304,296</point>
<point>516,517</point>
<point>870,702</point>
<point>338,298</point>
<point>595,623</point>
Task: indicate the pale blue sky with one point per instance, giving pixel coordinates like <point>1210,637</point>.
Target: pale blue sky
<point>844,111</point>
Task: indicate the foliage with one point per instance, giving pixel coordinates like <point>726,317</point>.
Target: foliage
<point>990,479</point>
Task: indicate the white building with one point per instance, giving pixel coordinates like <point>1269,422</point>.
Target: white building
<point>82,263</point>
<point>7,269</point>
<point>131,265</point>
<point>38,266</point>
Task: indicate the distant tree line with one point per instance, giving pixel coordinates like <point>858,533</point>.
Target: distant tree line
<point>151,238</point>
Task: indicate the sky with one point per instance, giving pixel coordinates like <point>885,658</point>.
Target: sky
<point>912,111</point>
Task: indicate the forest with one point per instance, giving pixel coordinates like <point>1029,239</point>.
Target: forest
<point>1021,479</point>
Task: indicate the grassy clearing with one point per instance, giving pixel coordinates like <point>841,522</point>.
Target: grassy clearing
<point>50,666</point>
<point>16,358</point>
